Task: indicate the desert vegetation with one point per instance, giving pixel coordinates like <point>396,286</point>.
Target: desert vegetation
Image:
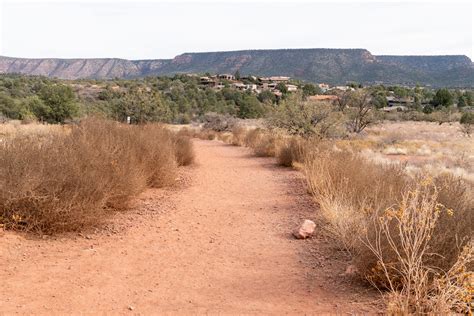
<point>182,99</point>
<point>66,180</point>
<point>406,225</point>
<point>395,227</point>
<point>394,188</point>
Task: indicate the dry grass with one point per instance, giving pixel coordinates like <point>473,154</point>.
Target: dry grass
<point>291,150</point>
<point>349,188</point>
<point>238,136</point>
<point>266,145</point>
<point>67,181</point>
<point>423,146</point>
<point>359,198</point>
<point>252,137</point>
<point>206,134</point>
<point>407,237</point>
<point>184,150</point>
<point>225,137</point>
<point>17,129</point>
<point>403,245</point>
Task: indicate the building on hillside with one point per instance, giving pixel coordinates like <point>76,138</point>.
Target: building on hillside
<point>393,101</point>
<point>226,77</point>
<point>252,87</point>
<point>324,87</point>
<point>250,78</point>
<point>239,86</point>
<point>279,79</point>
<point>342,88</point>
<point>268,85</point>
<point>209,82</point>
<point>274,79</point>
<point>218,86</point>
<point>291,88</point>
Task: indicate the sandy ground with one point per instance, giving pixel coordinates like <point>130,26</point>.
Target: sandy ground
<point>218,243</point>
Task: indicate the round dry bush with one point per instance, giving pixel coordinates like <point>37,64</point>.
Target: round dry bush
<point>238,136</point>
<point>291,150</point>
<point>184,150</point>
<point>65,182</point>
<point>265,145</point>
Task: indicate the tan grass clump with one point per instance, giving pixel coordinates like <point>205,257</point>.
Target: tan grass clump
<point>225,137</point>
<point>262,142</point>
<point>68,181</point>
<point>252,137</point>
<point>239,134</point>
<point>184,150</point>
<point>291,150</point>
<point>266,145</point>
<point>405,238</point>
<point>348,188</point>
<point>206,134</point>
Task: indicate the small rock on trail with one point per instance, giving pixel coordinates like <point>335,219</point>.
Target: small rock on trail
<point>306,230</point>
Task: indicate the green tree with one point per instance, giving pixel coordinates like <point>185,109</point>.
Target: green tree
<point>307,118</point>
<point>400,92</point>
<point>282,88</point>
<point>469,98</point>
<point>59,104</point>
<point>237,75</point>
<point>442,98</point>
<point>267,96</point>
<point>355,85</point>
<point>311,89</point>
<point>8,107</point>
<point>142,106</point>
<point>462,101</point>
<point>250,107</point>
<point>428,109</point>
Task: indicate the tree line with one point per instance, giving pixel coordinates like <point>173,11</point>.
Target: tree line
<point>181,99</point>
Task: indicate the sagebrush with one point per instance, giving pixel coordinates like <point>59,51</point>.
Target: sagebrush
<point>67,181</point>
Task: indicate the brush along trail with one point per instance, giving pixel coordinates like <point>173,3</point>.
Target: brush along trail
<point>219,242</point>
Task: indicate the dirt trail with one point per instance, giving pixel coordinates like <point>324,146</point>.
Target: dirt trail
<point>220,244</point>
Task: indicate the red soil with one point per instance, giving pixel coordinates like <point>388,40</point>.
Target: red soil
<point>218,243</point>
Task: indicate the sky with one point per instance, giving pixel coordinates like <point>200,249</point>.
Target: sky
<point>153,29</point>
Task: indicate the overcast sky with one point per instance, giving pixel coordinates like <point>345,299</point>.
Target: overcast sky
<point>164,29</point>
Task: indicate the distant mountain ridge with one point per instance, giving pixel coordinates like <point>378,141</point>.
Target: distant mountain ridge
<point>334,66</point>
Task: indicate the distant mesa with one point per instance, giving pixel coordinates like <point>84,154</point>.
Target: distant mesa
<point>334,66</point>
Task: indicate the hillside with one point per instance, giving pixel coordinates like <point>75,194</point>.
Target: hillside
<point>334,66</point>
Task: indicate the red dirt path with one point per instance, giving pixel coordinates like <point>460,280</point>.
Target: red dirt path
<point>218,243</point>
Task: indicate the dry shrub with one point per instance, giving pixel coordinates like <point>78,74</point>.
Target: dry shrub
<point>206,134</point>
<point>403,245</point>
<point>219,122</point>
<point>184,150</point>
<point>291,150</point>
<point>348,188</point>
<point>186,132</point>
<point>401,231</point>
<point>225,137</point>
<point>238,136</point>
<point>265,145</point>
<point>252,136</point>
<point>156,150</point>
<point>68,181</point>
